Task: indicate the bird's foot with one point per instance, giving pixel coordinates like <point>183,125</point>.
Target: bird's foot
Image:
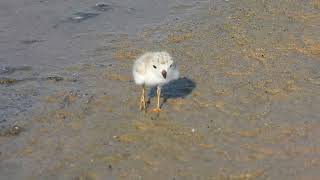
<point>156,110</point>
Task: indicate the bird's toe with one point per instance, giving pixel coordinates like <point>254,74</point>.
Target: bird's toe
<point>156,110</point>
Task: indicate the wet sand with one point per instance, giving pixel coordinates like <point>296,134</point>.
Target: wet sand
<point>246,106</point>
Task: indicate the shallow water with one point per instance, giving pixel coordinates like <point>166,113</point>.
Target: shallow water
<point>246,106</point>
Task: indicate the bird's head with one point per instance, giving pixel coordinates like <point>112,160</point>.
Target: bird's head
<point>163,65</point>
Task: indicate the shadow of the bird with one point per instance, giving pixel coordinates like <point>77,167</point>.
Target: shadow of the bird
<point>179,88</point>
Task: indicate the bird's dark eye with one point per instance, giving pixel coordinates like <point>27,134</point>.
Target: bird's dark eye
<point>154,66</point>
<point>171,65</point>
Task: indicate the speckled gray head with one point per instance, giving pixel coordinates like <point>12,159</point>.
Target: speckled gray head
<point>163,65</point>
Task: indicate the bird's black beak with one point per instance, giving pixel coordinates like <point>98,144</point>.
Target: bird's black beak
<point>164,73</point>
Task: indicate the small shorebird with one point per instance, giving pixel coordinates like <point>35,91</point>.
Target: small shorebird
<point>154,69</point>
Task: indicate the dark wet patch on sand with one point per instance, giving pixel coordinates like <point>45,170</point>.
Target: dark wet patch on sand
<point>11,131</point>
<point>81,16</point>
<point>7,81</point>
<point>31,41</point>
<point>9,70</point>
<point>103,7</point>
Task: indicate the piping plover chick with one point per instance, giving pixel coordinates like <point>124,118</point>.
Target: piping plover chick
<point>154,69</point>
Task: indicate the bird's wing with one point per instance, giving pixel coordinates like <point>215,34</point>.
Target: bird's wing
<point>142,63</point>
<point>139,67</point>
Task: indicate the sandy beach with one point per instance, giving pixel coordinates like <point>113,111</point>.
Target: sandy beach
<point>246,106</point>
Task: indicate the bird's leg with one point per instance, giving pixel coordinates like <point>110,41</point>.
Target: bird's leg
<point>157,109</point>
<point>158,97</point>
<point>142,100</point>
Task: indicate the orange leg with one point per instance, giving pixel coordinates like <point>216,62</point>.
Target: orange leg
<point>142,100</point>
